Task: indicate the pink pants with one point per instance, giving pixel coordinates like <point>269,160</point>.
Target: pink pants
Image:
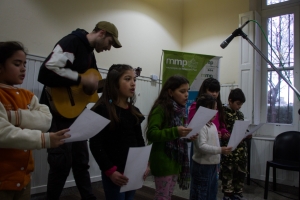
<point>164,187</point>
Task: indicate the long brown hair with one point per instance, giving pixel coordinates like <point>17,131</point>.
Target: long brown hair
<point>164,100</point>
<point>110,94</point>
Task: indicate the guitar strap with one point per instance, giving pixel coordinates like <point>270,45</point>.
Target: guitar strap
<point>70,96</point>
<point>48,91</point>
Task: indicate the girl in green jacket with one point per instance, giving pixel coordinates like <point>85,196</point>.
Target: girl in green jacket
<point>169,155</point>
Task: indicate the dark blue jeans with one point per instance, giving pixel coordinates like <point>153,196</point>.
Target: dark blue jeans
<point>204,184</point>
<point>112,191</point>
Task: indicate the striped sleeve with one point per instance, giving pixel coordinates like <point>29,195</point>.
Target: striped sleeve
<point>58,61</point>
<point>18,138</point>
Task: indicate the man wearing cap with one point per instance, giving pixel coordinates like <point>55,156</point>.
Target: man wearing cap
<point>64,67</point>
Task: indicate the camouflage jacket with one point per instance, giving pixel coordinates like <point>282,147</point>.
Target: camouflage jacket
<point>231,116</point>
<point>239,155</point>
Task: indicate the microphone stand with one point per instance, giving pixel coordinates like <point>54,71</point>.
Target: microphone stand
<point>241,33</point>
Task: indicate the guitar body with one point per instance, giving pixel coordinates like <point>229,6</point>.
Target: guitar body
<point>69,102</point>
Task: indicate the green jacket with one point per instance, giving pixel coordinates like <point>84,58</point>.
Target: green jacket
<point>160,163</point>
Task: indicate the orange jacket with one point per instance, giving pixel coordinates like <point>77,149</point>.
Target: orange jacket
<point>15,165</point>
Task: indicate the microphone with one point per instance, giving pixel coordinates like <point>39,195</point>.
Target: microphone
<point>235,33</point>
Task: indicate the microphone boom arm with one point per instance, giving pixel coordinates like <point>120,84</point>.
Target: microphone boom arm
<point>241,33</point>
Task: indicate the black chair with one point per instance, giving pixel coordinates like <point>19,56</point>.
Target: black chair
<point>286,155</point>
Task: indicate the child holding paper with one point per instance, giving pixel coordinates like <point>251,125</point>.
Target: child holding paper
<point>233,166</point>
<point>111,145</point>
<point>169,160</point>
<point>206,157</point>
<point>211,86</point>
<point>23,125</point>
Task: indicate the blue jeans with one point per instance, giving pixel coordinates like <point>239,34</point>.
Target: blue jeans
<point>204,184</point>
<point>112,191</point>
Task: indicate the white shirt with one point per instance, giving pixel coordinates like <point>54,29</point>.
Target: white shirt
<point>207,148</point>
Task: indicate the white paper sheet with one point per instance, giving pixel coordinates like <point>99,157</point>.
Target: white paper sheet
<point>251,131</point>
<point>87,124</point>
<point>238,133</point>
<point>201,117</point>
<point>136,165</point>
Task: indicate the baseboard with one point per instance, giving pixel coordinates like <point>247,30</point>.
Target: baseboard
<point>286,181</point>
<point>70,183</point>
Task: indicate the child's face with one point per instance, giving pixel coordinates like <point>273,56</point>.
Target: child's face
<point>235,105</point>
<point>215,94</point>
<point>180,95</point>
<point>127,84</point>
<point>13,71</point>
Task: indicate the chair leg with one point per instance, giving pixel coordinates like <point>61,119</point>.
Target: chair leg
<point>274,178</point>
<point>267,181</point>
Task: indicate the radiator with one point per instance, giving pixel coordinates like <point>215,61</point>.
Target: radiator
<point>224,92</point>
<point>261,152</point>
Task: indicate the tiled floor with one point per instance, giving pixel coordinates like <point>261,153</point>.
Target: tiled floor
<point>254,191</point>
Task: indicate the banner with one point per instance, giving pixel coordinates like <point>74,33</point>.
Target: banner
<point>195,67</point>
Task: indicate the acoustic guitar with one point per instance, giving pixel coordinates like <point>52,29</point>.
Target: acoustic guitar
<point>69,102</point>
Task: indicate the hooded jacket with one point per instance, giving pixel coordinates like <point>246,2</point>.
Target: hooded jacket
<point>71,56</point>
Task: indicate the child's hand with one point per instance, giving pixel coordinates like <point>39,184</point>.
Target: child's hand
<point>57,138</point>
<point>194,137</point>
<point>146,172</point>
<point>183,131</point>
<point>118,179</point>
<point>226,150</point>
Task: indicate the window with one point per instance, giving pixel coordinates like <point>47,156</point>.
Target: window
<point>271,2</point>
<point>281,22</point>
<point>267,4</point>
<point>280,34</point>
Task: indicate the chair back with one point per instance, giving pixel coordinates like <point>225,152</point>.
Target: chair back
<point>287,146</point>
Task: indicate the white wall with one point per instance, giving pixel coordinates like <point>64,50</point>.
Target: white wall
<point>145,27</point>
<point>207,24</point>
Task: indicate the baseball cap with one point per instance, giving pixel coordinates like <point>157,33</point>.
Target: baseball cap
<point>112,29</point>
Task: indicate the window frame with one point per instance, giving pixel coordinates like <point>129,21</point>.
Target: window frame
<point>278,5</point>
<point>272,11</point>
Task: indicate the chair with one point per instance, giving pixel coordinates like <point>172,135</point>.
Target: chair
<point>286,155</point>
